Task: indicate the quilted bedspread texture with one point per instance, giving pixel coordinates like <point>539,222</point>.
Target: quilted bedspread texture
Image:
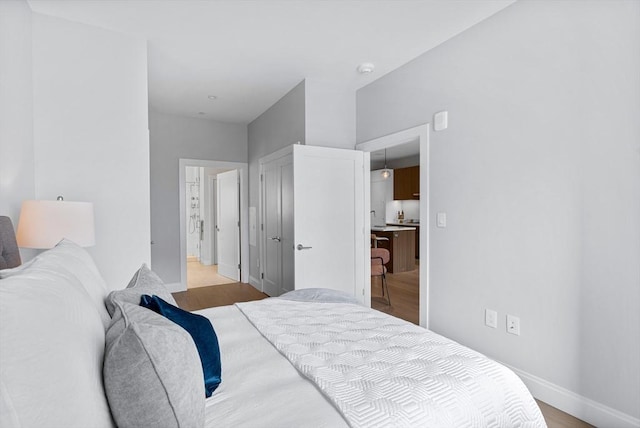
<point>380,371</point>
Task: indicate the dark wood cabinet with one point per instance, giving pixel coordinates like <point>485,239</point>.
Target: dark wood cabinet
<point>406,183</point>
<point>401,246</point>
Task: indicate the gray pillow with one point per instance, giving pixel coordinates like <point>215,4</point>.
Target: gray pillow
<point>144,281</point>
<point>324,295</point>
<point>152,371</point>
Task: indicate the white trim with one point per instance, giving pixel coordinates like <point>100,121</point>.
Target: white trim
<point>243,169</point>
<point>420,132</point>
<point>255,282</point>
<point>174,287</point>
<point>588,410</point>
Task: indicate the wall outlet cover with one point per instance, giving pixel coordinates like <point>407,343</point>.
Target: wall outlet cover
<point>513,325</point>
<point>491,318</point>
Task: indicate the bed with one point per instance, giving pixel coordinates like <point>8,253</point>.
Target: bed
<point>308,359</point>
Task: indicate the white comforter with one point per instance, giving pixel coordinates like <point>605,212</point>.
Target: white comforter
<point>260,388</point>
<point>380,371</point>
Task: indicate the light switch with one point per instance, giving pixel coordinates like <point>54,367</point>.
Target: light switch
<point>441,120</point>
<point>441,220</point>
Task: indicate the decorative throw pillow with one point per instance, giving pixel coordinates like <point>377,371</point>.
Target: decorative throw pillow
<point>152,372</point>
<point>73,259</point>
<point>144,281</point>
<point>203,335</point>
<point>52,344</point>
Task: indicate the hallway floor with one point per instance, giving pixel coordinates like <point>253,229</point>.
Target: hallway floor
<point>199,275</point>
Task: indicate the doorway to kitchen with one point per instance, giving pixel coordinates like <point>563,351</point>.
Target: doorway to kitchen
<point>399,207</point>
<point>214,222</point>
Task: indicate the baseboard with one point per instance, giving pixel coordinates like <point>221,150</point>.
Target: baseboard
<point>574,404</point>
<point>255,282</point>
<point>175,287</point>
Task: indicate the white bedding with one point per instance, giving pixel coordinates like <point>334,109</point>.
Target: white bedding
<point>260,388</point>
<point>379,371</point>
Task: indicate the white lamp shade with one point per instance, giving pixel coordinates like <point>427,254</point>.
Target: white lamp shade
<point>43,224</point>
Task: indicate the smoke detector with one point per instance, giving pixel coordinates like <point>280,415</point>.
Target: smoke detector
<point>366,68</point>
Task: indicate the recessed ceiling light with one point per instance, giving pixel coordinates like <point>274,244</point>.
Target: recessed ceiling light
<point>212,97</point>
<point>366,68</point>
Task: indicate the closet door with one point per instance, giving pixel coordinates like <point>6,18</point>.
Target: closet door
<point>272,224</point>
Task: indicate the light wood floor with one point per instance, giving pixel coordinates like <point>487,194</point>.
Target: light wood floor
<point>199,275</point>
<point>404,291</point>
<point>401,295</point>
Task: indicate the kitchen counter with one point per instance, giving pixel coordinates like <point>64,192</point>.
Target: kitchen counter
<point>400,241</point>
<point>393,228</point>
<point>416,225</point>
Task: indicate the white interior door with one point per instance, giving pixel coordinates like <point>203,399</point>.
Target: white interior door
<point>228,224</point>
<point>329,206</point>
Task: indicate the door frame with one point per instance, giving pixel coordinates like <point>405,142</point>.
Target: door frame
<point>243,171</point>
<point>420,132</point>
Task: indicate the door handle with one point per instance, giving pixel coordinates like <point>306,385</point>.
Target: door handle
<point>302,247</point>
<point>277,238</point>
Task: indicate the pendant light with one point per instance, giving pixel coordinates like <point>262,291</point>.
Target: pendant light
<point>386,173</point>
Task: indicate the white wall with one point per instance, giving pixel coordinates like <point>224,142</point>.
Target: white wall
<point>74,123</point>
<point>16,109</point>
<point>172,138</point>
<point>330,114</point>
<point>539,174</point>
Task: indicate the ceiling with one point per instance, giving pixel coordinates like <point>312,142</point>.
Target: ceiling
<point>250,53</point>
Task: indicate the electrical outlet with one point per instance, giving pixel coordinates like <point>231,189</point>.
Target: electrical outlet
<point>490,318</point>
<point>513,325</point>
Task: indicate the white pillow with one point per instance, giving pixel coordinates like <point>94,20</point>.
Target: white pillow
<point>76,261</point>
<point>51,354</point>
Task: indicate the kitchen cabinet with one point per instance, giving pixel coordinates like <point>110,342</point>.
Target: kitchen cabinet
<point>401,246</point>
<point>406,183</point>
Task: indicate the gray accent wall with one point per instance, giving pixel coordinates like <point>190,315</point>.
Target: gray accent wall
<point>283,124</point>
<point>173,138</point>
<point>539,174</point>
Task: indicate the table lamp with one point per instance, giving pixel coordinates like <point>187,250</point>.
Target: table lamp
<point>43,224</point>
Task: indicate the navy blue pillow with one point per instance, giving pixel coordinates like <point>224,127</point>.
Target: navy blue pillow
<point>202,333</point>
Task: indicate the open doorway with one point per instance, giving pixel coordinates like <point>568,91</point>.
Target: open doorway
<point>214,221</point>
<point>407,149</point>
<point>395,226</point>
<point>212,226</point>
